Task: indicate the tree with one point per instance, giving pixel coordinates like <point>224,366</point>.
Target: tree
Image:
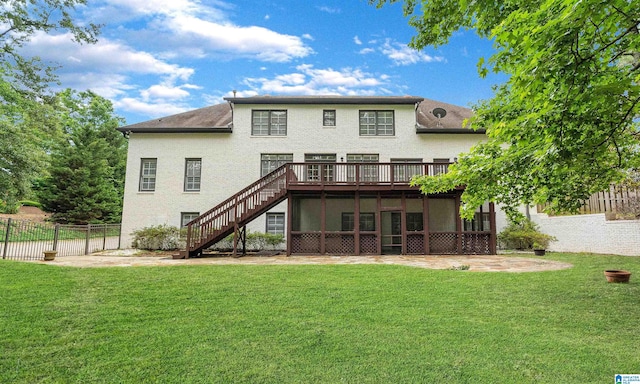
<point>26,126</point>
<point>565,124</point>
<point>85,183</point>
<point>19,21</point>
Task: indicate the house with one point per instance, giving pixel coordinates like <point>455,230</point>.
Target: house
<point>331,173</point>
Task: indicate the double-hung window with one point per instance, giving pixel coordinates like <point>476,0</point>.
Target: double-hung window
<point>186,217</point>
<point>192,175</point>
<point>377,123</point>
<point>148,169</point>
<point>269,122</point>
<point>329,118</point>
<point>275,223</point>
<point>270,162</point>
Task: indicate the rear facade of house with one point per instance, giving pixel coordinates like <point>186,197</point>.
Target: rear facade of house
<point>330,173</point>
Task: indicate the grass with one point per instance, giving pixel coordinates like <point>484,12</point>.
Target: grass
<point>318,324</point>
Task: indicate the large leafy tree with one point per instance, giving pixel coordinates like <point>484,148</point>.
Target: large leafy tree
<point>26,125</point>
<point>85,181</point>
<point>565,124</point>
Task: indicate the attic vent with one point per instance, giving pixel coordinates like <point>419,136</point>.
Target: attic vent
<point>439,113</point>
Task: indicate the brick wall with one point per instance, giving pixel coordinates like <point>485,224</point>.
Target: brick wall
<point>591,233</point>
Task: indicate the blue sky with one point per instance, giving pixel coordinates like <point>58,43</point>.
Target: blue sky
<point>160,57</point>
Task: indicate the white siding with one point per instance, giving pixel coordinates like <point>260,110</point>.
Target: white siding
<point>232,161</point>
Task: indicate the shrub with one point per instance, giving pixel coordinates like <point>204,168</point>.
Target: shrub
<point>256,241</point>
<point>10,206</point>
<point>524,235</point>
<point>29,203</point>
<point>160,237</point>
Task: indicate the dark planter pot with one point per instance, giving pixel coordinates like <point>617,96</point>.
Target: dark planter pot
<point>617,276</point>
<point>539,252</point>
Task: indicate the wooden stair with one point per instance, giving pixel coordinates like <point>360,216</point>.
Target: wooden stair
<point>233,214</point>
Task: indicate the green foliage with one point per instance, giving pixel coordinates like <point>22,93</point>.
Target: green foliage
<point>29,203</point>
<point>564,125</point>
<point>157,238</point>
<point>256,241</point>
<point>9,206</point>
<point>20,20</point>
<point>85,181</point>
<point>524,235</point>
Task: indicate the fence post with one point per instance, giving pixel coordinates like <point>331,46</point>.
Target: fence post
<point>104,236</point>
<point>56,232</point>
<point>119,234</point>
<point>88,238</point>
<point>6,239</point>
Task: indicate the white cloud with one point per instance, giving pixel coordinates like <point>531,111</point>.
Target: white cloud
<point>196,30</point>
<point>267,17</point>
<point>365,51</point>
<point>357,40</point>
<point>153,109</point>
<point>329,9</point>
<point>402,54</point>
<point>313,81</point>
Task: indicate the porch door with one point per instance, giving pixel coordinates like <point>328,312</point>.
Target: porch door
<point>391,231</point>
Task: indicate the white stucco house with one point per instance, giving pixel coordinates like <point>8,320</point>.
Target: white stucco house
<point>331,173</point>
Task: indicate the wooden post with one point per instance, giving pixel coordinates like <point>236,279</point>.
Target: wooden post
<point>323,221</point>
<point>492,223</point>
<point>56,232</point>
<point>458,224</point>
<point>356,224</point>
<point>425,224</point>
<point>6,239</point>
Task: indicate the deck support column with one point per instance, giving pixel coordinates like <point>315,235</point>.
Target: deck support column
<point>425,224</point>
<point>289,222</point>
<point>458,224</point>
<point>323,221</point>
<point>239,235</point>
<point>356,224</point>
<point>493,248</point>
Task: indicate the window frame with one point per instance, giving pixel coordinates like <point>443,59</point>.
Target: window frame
<point>183,224</point>
<point>274,228</point>
<point>329,115</point>
<point>313,170</point>
<point>270,130</point>
<point>193,178</point>
<point>147,178</point>
<point>266,166</point>
<point>368,173</point>
<point>374,123</point>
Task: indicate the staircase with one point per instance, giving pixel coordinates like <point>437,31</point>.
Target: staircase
<point>234,213</point>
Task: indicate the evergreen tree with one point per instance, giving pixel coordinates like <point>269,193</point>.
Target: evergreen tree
<point>86,173</point>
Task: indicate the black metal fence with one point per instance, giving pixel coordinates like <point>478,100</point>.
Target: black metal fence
<point>26,240</point>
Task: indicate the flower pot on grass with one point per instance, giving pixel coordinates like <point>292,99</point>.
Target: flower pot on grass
<point>617,276</point>
<point>50,255</point>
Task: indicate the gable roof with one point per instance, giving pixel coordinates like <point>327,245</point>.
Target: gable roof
<point>216,118</point>
<point>219,118</point>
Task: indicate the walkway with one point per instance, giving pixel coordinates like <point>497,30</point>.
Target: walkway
<point>480,263</point>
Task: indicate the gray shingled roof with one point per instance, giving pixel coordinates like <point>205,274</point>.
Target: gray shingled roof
<point>453,119</point>
<point>218,118</point>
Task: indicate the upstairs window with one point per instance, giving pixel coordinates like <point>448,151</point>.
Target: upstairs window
<point>148,169</point>
<point>192,175</point>
<point>329,118</point>
<point>377,123</point>
<point>269,123</point>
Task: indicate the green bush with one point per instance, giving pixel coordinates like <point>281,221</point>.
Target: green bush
<point>159,237</point>
<point>9,205</point>
<point>29,203</point>
<point>256,241</point>
<point>524,235</point>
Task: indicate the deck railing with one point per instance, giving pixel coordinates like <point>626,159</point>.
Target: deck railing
<point>356,174</point>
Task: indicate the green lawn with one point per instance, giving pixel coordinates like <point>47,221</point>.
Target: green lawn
<point>318,324</point>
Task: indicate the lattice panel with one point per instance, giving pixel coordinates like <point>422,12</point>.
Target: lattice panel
<point>476,243</point>
<point>368,244</point>
<point>339,244</point>
<point>305,243</point>
<point>443,243</point>
<point>415,243</point>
